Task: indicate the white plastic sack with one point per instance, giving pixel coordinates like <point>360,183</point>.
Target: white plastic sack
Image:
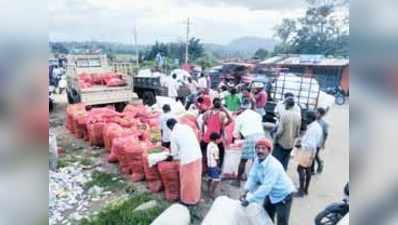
<point>154,158</point>
<point>176,214</point>
<point>182,75</point>
<point>226,211</point>
<point>53,151</point>
<point>325,100</point>
<point>292,83</point>
<point>176,107</point>
<point>231,163</point>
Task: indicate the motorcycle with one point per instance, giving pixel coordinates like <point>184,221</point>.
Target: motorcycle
<point>338,93</point>
<point>333,213</point>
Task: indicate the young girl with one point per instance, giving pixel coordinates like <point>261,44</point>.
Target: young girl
<point>213,164</point>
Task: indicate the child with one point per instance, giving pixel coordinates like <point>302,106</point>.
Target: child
<point>213,164</point>
<point>321,112</point>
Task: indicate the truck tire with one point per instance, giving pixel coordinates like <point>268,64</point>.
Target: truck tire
<point>149,98</point>
<point>70,99</point>
<point>120,106</point>
<point>340,99</point>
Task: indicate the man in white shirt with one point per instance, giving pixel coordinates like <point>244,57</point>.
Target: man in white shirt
<point>306,151</point>
<point>248,125</point>
<point>202,81</point>
<point>173,86</point>
<point>165,131</point>
<point>185,147</point>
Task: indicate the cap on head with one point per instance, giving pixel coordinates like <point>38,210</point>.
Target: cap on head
<point>264,142</point>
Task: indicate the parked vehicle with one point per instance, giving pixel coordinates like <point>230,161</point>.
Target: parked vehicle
<point>147,88</point>
<point>305,89</point>
<point>97,94</point>
<point>334,212</point>
<point>338,93</point>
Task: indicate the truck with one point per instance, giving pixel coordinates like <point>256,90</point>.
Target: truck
<point>96,94</point>
<point>145,87</point>
<point>305,89</point>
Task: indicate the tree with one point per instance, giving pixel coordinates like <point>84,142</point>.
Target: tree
<point>261,54</point>
<point>195,49</point>
<point>206,61</point>
<point>59,48</point>
<point>176,50</point>
<point>318,32</point>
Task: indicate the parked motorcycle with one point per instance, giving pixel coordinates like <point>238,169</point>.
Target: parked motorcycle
<point>338,93</point>
<point>333,213</point>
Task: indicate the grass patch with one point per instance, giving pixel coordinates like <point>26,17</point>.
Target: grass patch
<point>105,180</point>
<point>66,160</point>
<point>121,213</point>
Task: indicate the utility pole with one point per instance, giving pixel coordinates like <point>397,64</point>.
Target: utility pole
<point>187,42</point>
<point>136,46</point>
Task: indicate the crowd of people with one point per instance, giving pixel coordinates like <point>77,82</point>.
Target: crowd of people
<point>267,181</point>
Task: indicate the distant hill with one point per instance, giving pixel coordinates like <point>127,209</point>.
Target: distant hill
<point>242,47</point>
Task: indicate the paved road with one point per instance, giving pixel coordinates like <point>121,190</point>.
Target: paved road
<point>327,187</point>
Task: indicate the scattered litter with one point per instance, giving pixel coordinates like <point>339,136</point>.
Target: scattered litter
<point>66,192</point>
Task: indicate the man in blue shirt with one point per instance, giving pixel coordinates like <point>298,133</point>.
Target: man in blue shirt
<point>269,184</point>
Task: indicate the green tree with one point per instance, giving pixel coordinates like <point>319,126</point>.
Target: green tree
<point>58,48</point>
<point>195,49</point>
<point>206,61</point>
<point>176,50</point>
<point>261,54</point>
<point>318,32</point>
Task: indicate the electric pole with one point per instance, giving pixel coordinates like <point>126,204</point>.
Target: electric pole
<point>187,42</point>
<point>136,46</point>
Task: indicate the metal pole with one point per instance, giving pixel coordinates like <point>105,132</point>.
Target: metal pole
<point>136,46</point>
<point>187,42</point>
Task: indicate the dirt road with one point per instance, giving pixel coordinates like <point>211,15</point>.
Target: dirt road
<point>328,186</point>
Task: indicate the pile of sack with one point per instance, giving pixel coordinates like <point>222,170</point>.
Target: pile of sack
<point>109,79</point>
<point>129,137</point>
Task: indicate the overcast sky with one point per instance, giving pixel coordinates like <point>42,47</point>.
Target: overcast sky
<point>213,21</point>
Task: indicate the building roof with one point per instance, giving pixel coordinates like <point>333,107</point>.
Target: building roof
<point>310,60</point>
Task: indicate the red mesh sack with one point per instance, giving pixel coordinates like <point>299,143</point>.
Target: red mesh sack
<point>97,78</point>
<point>131,158</point>
<point>85,77</point>
<point>80,125</point>
<point>169,174</point>
<point>115,82</point>
<point>95,133</point>
<point>135,110</point>
<point>152,176</point>
<point>118,145</point>
<point>70,111</point>
<point>105,114</point>
<point>111,130</point>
